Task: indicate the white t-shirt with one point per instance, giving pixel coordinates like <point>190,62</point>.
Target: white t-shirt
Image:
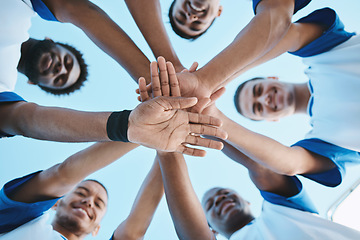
<point>283,223</point>
<point>15,21</point>
<point>37,229</point>
<point>335,78</point>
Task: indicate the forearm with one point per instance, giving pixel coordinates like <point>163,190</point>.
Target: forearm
<point>61,178</point>
<point>143,209</point>
<point>185,209</point>
<point>262,33</point>
<point>105,33</point>
<point>52,123</point>
<point>147,15</point>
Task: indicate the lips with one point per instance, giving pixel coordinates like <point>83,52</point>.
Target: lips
<point>196,7</point>
<point>225,206</point>
<point>82,211</point>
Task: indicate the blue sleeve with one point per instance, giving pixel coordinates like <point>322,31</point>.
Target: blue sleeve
<point>300,201</point>
<point>337,154</point>
<point>332,37</point>
<point>43,11</point>
<point>14,214</point>
<point>299,4</point>
<point>6,97</point>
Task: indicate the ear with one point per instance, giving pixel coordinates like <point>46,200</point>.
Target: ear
<point>95,231</point>
<point>219,11</point>
<point>30,82</point>
<point>273,78</point>
<point>47,38</point>
<point>54,207</point>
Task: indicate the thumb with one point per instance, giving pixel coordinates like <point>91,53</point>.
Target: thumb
<point>193,67</point>
<point>170,103</point>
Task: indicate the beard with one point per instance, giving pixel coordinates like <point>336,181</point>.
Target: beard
<point>32,60</point>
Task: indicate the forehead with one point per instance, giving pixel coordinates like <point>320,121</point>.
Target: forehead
<point>211,193</point>
<point>93,188</point>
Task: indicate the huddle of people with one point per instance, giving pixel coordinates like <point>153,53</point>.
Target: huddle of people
<point>176,113</point>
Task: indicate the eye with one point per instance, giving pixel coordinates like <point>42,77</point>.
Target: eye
<point>259,90</point>
<point>80,194</point>
<point>259,108</point>
<point>209,205</point>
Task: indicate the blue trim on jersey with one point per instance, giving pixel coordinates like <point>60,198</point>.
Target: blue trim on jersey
<point>300,201</point>
<point>14,214</point>
<point>10,97</point>
<point>337,154</point>
<point>299,4</point>
<point>332,37</point>
<point>311,100</point>
<point>43,11</point>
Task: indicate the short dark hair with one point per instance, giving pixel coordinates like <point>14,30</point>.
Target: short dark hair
<point>82,77</point>
<point>178,31</point>
<point>96,181</point>
<point>237,93</point>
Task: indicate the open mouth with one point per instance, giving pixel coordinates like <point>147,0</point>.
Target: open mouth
<point>226,205</point>
<point>83,212</point>
<point>197,7</point>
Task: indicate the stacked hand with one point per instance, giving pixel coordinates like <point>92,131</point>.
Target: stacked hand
<point>163,123</point>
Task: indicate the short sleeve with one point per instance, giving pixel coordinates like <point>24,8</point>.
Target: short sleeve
<point>300,201</point>
<point>340,156</point>
<point>331,37</point>
<point>15,214</point>
<point>43,11</point>
<point>299,4</point>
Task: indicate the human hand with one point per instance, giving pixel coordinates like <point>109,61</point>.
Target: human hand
<point>161,123</point>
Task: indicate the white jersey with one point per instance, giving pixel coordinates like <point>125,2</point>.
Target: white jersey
<point>37,229</point>
<point>15,21</point>
<point>284,223</point>
<point>335,78</point>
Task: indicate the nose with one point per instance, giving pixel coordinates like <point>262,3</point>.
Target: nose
<point>218,199</point>
<point>265,99</point>
<point>59,69</point>
<point>87,201</point>
<point>192,17</point>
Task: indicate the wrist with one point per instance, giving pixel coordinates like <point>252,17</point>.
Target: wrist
<point>117,126</point>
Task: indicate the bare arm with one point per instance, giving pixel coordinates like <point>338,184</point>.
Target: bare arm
<point>270,153</point>
<point>53,123</point>
<point>151,191</point>
<point>104,32</point>
<point>298,36</point>
<point>185,208</point>
<point>263,32</point>
<point>147,15</point>
<point>61,178</point>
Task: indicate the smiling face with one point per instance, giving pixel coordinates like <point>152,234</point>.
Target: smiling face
<point>52,66</point>
<point>194,17</point>
<point>225,210</point>
<point>266,99</point>
<point>81,211</point>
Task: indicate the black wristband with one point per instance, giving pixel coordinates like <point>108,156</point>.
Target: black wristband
<point>117,126</point>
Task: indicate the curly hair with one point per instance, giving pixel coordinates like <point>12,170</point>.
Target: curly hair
<point>82,77</point>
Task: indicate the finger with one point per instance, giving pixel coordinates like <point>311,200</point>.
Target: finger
<point>217,94</point>
<point>164,77</point>
<point>174,82</point>
<point>137,91</point>
<point>204,119</point>
<point>204,142</point>
<point>169,103</point>
<point>193,67</point>
<point>199,107</point>
<point>201,129</point>
<point>191,151</point>
<point>139,98</point>
<point>144,96</point>
<point>155,80</point>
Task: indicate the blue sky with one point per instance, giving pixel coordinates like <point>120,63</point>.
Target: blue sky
<point>110,88</point>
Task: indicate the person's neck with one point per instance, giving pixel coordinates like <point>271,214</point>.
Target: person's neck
<point>25,47</point>
<point>66,233</point>
<point>245,221</point>
<point>302,96</point>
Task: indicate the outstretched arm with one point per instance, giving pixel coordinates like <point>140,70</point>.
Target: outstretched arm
<point>147,15</point>
<point>270,153</point>
<point>185,208</point>
<point>104,32</point>
<point>61,178</point>
<point>150,193</point>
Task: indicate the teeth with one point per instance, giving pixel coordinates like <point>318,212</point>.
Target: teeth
<point>196,8</point>
<point>82,210</point>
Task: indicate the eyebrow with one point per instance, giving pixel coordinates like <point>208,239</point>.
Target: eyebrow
<point>87,190</point>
